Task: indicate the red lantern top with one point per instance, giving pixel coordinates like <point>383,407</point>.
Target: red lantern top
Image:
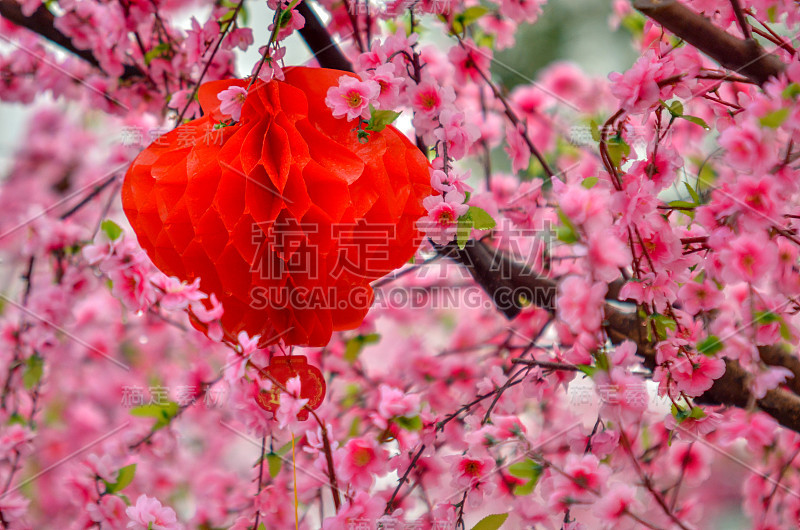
<point>286,216</point>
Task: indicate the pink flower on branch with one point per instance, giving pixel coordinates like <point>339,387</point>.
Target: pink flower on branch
<point>149,514</point>
<point>359,461</point>
<point>441,223</point>
<point>232,101</point>
<point>695,376</point>
<point>352,97</point>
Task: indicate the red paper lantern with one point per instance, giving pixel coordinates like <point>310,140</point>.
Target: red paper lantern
<point>286,216</point>
<point>284,367</point>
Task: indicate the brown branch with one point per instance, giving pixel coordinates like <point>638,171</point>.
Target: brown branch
<point>731,389</point>
<point>42,22</point>
<point>319,41</point>
<point>742,56</point>
<point>776,356</point>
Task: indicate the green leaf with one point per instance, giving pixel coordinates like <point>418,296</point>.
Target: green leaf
<point>634,23</point>
<point>485,40</point>
<point>491,522</point>
<point>589,182</point>
<point>766,317</point>
<point>470,15</point>
<point>663,323</point>
<point>566,230</point>
<point>710,345</point>
<point>521,490</point>
<point>481,220</point>
<point>354,346</point>
<point>262,526</point>
<point>595,130</point>
<point>696,120</point>
<point>684,207</point>
<point>588,369</point>
<point>775,118</point>
<point>617,149</point>
<point>791,91</point>
<point>124,478</point>
<point>680,414</point>
<point>601,360</point>
<point>675,108</point>
<point>525,469</point>
<point>17,419</point>
<point>274,464</point>
<point>706,177</point>
<point>162,413</point>
<point>692,193</point>
<point>34,368</point>
<point>463,230</point>
<point>155,52</point>
<point>355,427</point>
<point>681,205</point>
<point>697,413</point>
<point>786,334</point>
<point>410,424</point>
<point>111,229</point>
<point>379,119</point>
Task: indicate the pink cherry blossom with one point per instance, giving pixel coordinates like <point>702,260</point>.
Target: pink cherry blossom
<point>240,38</point>
<point>395,402</point>
<point>361,507</point>
<point>209,315</point>
<point>352,97</point>
<point>618,499</point>
<point>468,472</point>
<point>768,379</point>
<point>13,507</point>
<point>699,296</point>
<point>271,67</point>
<point>429,99</point>
<point>518,150</point>
<point>580,304</point>
<point>470,61</point>
<point>177,295</point>
<point>108,510</point>
<point>745,147</point>
<point>453,180</point>
<point>607,254</point>
<point>149,514</point>
<point>231,101</point>
<point>748,258</point>
<point>390,86</point>
<point>456,132</point>
<point>637,89</point>
<point>291,403</point>
<point>441,223</point>
<point>294,21</point>
<point>695,376</point>
<point>359,461</point>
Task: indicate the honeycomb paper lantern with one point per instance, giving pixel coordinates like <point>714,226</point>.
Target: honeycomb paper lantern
<point>285,215</point>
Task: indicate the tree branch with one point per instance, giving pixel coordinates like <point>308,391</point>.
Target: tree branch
<point>731,389</point>
<point>42,22</point>
<point>742,56</point>
<point>319,41</point>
